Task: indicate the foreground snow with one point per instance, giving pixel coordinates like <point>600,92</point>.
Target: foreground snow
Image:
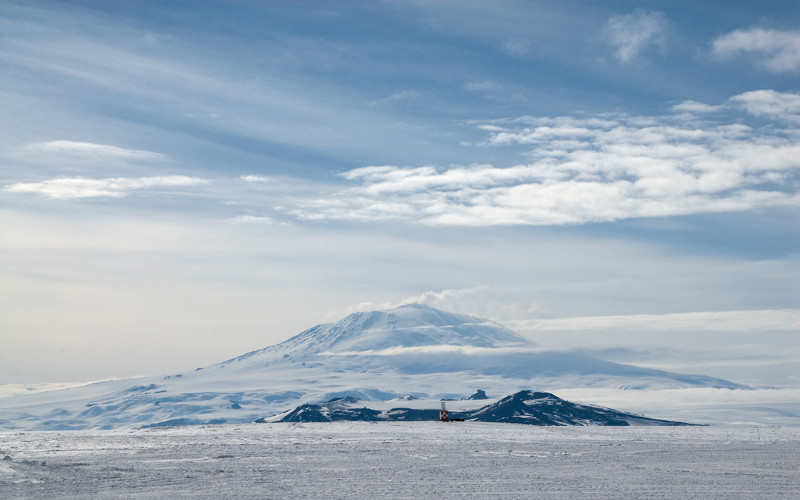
<point>391,460</point>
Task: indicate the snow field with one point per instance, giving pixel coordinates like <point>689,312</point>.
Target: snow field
<point>403,460</point>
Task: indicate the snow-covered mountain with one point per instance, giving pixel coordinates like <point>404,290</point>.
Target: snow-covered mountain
<point>375,356</point>
<point>419,340</point>
<point>413,325</point>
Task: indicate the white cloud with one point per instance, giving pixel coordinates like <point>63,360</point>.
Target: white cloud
<point>764,103</point>
<point>632,34</point>
<point>594,168</point>
<point>89,149</point>
<point>251,219</point>
<point>355,208</point>
<point>454,300</point>
<point>694,107</point>
<point>118,187</point>
<point>254,178</point>
<point>777,50</point>
<point>769,103</point>
<point>483,301</point>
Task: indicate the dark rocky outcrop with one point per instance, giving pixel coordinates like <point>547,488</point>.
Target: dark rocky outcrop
<point>524,407</point>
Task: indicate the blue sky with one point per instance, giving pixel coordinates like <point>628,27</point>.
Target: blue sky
<point>182,182</point>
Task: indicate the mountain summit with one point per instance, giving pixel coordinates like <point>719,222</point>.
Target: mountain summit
<point>413,350</point>
<point>408,326</point>
<point>411,325</point>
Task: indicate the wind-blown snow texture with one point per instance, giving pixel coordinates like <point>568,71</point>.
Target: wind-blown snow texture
<point>375,356</point>
<point>404,460</point>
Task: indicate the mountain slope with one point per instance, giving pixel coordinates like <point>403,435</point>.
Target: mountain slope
<point>375,356</point>
<point>409,326</point>
<point>543,408</point>
<point>524,407</point>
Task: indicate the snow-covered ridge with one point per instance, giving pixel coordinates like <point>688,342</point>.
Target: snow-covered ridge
<point>525,407</point>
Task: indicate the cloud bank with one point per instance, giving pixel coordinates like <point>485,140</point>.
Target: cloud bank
<point>595,168</point>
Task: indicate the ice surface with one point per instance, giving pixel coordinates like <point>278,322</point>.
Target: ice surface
<point>403,460</point>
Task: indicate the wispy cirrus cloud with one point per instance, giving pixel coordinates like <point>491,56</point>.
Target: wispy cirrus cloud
<point>117,187</point>
<point>707,321</point>
<point>517,47</point>
<point>631,34</point>
<point>484,86</point>
<point>396,98</point>
<point>88,149</point>
<point>592,168</point>
<point>776,50</point>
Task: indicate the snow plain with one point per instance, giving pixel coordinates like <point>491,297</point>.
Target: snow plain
<point>403,460</point>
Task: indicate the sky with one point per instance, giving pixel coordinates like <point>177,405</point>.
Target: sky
<point>183,182</point>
